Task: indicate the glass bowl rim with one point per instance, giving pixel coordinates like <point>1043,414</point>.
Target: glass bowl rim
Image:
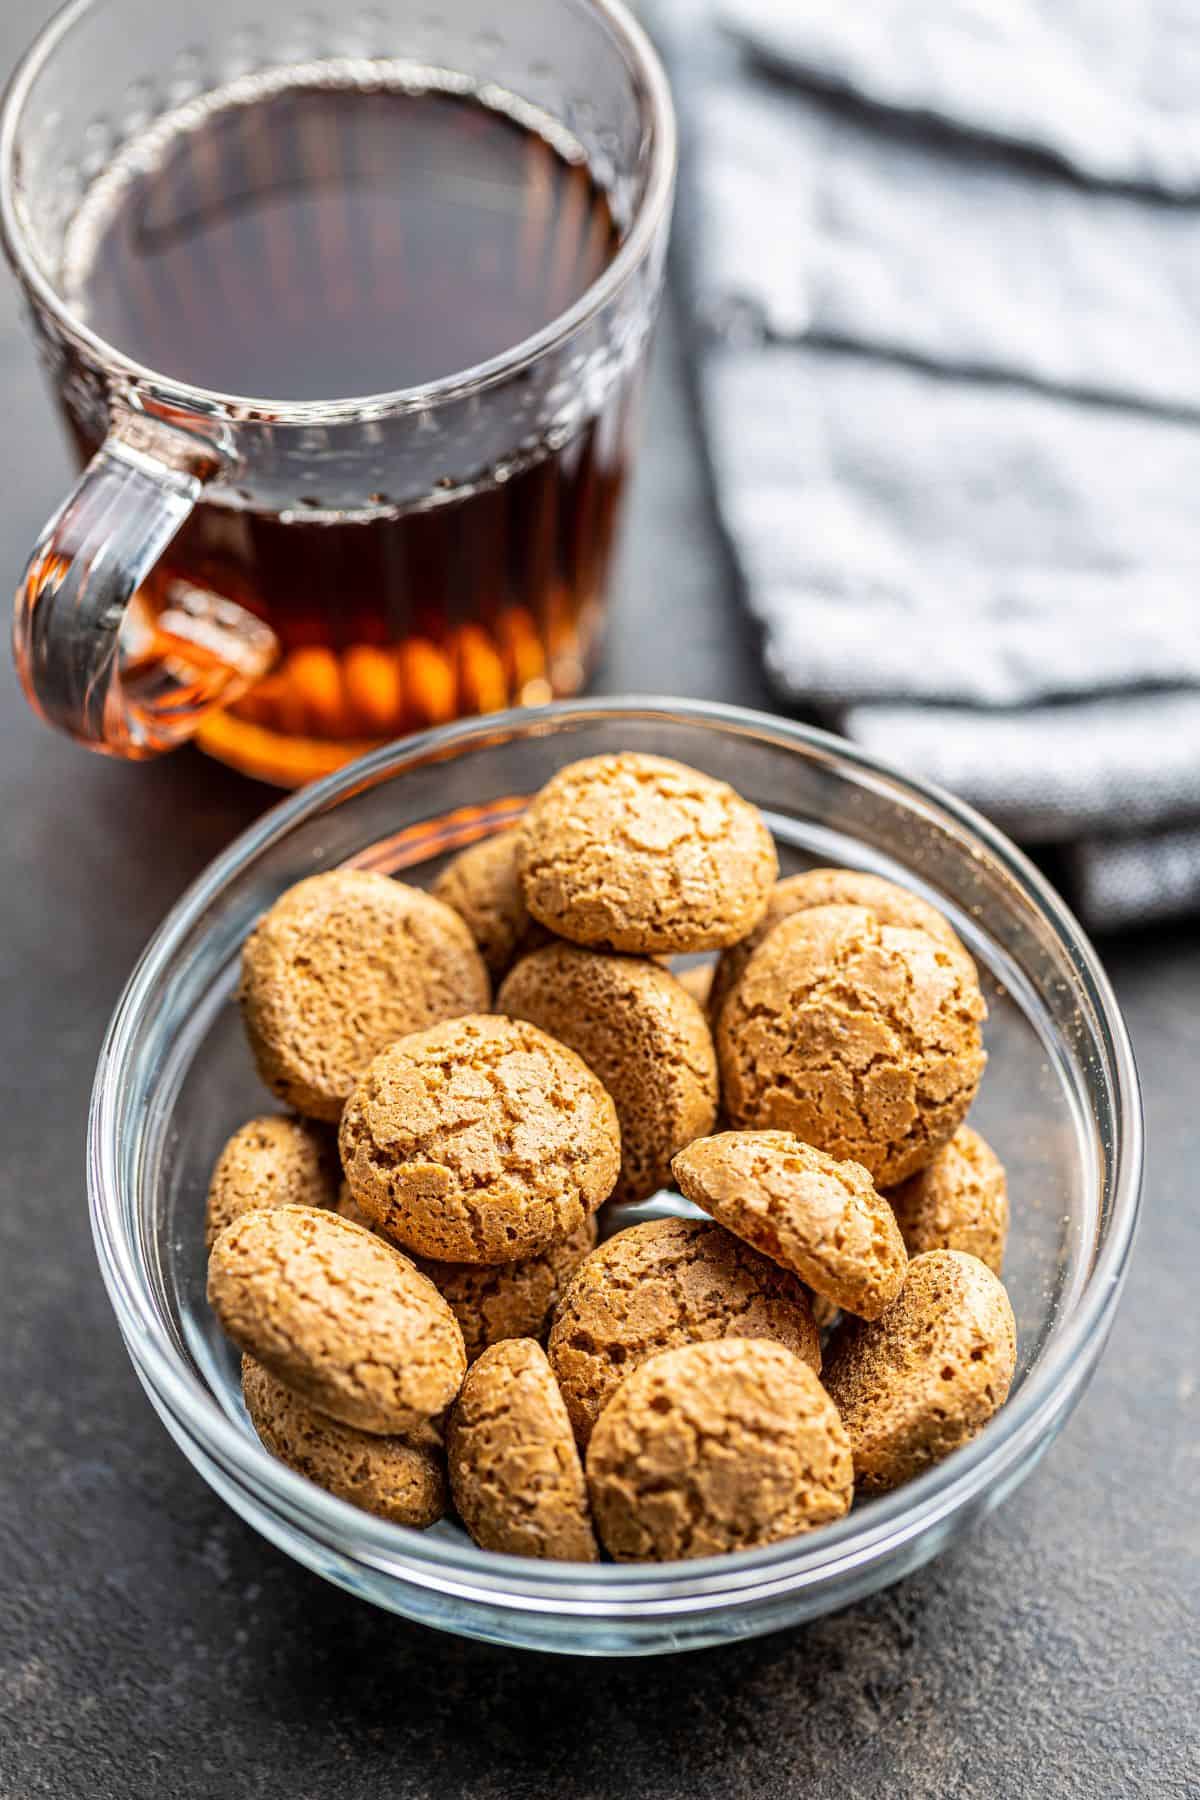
<point>609,1592</point>
<point>212,403</point>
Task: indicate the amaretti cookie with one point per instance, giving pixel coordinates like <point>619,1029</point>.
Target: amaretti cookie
<point>715,1447</point>
<point>817,1216</point>
<point>926,1377</point>
<point>340,1317</point>
<point>481,883</point>
<point>398,1478</point>
<point>482,1140</point>
<point>514,1470</point>
<point>959,1201</point>
<point>638,853</point>
<point>646,1039</point>
<point>343,963</point>
<point>660,1284</point>
<point>890,903</point>
<point>271,1161</point>
<point>863,1039</point>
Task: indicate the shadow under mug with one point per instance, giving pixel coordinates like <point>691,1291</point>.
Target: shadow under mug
<point>146,613</point>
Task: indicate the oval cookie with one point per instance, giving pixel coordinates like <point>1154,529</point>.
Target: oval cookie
<point>926,1377</point>
<point>814,1215</point>
<point>397,1478</point>
<point>272,1161</point>
<point>887,900</point>
<point>345,1321</point>
<point>959,1201</point>
<point>514,1469</point>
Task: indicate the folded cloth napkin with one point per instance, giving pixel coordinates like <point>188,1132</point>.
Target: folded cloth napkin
<point>950,400</point>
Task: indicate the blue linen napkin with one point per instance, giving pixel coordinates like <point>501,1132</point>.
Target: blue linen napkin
<point>950,397</point>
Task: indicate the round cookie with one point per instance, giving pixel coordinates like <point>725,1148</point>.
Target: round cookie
<point>272,1161</point>
<point>959,1201</point>
<point>480,1141</point>
<point>660,1284</point>
<point>637,853</point>
<point>341,965</point>
<point>645,1038</point>
<point>926,1377</point>
<point>339,1316</point>
<point>890,903</point>
<point>482,885</point>
<point>494,1301</point>
<point>514,1470</point>
<point>818,1217</point>
<point>397,1478</point>
<point>716,1447</point>
<point>861,1038</point>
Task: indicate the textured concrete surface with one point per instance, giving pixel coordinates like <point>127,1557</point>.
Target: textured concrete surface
<point>151,1645</point>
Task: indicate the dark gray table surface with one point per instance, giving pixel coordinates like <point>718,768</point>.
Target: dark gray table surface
<point>151,1645</point>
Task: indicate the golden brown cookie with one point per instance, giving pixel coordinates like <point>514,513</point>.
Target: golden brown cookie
<point>959,1201</point>
<point>632,852</point>
<point>514,1470</point>
<point>342,964</point>
<point>339,1316</point>
<point>655,1286</point>
<point>890,903</point>
<point>926,1377</point>
<point>482,885</point>
<point>272,1161</point>
<point>398,1478</point>
<point>861,1038</point>
<point>645,1038</point>
<point>818,1217</point>
<point>716,1447</point>
<point>480,1141</point>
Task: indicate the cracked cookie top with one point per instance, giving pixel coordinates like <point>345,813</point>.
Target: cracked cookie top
<point>343,963</point>
<point>637,853</point>
<point>861,1038</point>
<point>817,1216</point>
<point>398,1478</point>
<point>343,1319</point>
<point>655,1286</point>
<point>481,1141</point>
<point>514,1470</point>
<point>927,1376</point>
<point>714,1447</point>
<point>890,903</point>
<point>641,1033</point>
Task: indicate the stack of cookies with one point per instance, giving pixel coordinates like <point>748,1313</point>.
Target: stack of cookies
<point>424,1314</point>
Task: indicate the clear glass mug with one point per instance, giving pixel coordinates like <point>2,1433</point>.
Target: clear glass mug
<point>154,606</point>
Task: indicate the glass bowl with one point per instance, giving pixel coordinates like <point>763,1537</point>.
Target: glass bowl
<point>1060,1103</point>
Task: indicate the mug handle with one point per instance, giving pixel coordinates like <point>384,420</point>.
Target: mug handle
<point>118,671</point>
